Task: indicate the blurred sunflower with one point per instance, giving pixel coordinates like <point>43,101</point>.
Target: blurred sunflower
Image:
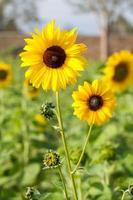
<point>119,70</point>
<point>93,103</point>
<point>54,59</point>
<point>40,119</point>
<point>5,74</point>
<point>30,90</point>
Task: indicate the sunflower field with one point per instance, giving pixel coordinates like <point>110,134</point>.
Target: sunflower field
<point>66,121</point>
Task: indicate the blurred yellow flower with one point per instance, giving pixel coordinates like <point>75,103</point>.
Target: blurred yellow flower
<point>119,70</point>
<point>94,103</point>
<point>54,59</point>
<point>5,74</point>
<point>30,90</point>
<point>40,119</point>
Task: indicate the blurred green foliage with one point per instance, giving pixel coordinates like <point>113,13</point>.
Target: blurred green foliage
<point>107,167</point>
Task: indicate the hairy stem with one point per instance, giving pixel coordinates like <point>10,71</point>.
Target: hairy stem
<point>124,193</point>
<point>83,151</point>
<point>65,145</point>
<point>63,182</point>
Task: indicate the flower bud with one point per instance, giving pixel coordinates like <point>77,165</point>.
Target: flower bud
<point>32,194</point>
<point>51,160</point>
<point>47,110</point>
<point>131,190</point>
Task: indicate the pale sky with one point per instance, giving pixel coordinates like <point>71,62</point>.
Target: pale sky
<point>67,16</point>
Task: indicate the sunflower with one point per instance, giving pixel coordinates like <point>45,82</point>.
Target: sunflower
<point>5,74</point>
<point>119,70</point>
<point>54,58</point>
<point>93,103</point>
<point>40,119</point>
<point>30,90</point>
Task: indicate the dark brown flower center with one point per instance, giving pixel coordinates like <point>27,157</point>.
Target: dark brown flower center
<point>54,57</point>
<point>3,74</point>
<point>121,72</point>
<point>95,102</point>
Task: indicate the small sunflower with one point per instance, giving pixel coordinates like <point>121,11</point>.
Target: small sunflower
<point>5,74</point>
<point>93,103</point>
<point>40,119</point>
<point>30,90</point>
<point>54,58</point>
<point>119,70</point>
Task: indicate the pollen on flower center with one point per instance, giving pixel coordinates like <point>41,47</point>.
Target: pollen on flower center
<point>121,72</point>
<point>95,102</point>
<point>3,74</point>
<point>54,57</point>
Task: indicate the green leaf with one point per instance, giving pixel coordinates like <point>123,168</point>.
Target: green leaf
<point>30,174</point>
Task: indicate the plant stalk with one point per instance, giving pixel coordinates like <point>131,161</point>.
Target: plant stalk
<point>124,193</point>
<point>83,151</point>
<point>63,182</point>
<point>65,145</point>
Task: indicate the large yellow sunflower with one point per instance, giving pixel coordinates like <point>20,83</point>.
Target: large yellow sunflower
<point>94,103</point>
<point>54,59</point>
<point>5,74</point>
<point>119,70</point>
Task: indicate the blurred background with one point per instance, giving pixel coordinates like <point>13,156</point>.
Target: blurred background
<point>106,26</point>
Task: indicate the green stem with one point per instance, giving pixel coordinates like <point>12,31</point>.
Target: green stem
<point>63,182</point>
<point>65,145</point>
<point>79,187</point>
<point>123,196</point>
<point>83,151</point>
